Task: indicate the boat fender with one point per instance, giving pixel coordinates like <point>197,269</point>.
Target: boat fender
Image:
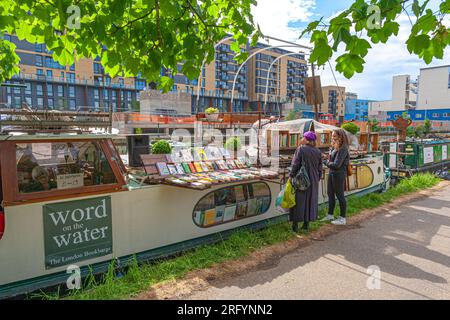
<point>2,223</point>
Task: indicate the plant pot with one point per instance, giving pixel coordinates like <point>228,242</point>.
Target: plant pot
<point>212,116</point>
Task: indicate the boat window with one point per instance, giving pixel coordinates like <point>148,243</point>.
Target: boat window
<point>232,203</point>
<point>44,166</point>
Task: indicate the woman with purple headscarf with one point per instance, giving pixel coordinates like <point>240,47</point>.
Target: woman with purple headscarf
<point>307,202</point>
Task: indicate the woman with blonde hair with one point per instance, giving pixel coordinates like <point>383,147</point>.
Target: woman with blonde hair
<point>338,161</point>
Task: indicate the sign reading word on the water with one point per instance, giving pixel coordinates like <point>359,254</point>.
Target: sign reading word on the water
<point>69,181</point>
<point>428,155</point>
<point>77,231</point>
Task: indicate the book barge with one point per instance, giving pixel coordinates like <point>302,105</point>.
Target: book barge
<point>68,199</point>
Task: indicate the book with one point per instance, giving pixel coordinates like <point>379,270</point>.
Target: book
<point>187,155</point>
<point>220,211</point>
<point>225,153</point>
<point>192,167</point>
<point>162,169</point>
<point>204,167</point>
<point>216,167</point>
<point>210,217</point>
<point>199,217</point>
<point>176,157</point>
<point>200,154</point>
<point>241,209</point>
<point>172,169</point>
<point>198,167</point>
<point>252,207</point>
<point>186,167</point>
<point>213,153</point>
<point>210,166</point>
<point>180,169</point>
<point>231,164</point>
<point>230,213</point>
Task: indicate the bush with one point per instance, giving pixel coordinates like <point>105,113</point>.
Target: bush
<point>233,144</point>
<point>161,147</point>
<point>350,127</point>
<point>211,110</point>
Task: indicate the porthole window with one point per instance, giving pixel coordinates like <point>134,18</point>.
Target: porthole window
<point>232,203</point>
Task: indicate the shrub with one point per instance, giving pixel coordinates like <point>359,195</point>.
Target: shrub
<point>233,143</point>
<point>211,110</point>
<point>350,127</point>
<point>161,147</point>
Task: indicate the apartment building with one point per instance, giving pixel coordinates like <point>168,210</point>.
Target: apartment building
<point>85,85</point>
<point>333,101</point>
<point>404,92</point>
<point>434,88</point>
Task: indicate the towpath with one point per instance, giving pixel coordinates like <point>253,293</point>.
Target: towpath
<point>402,253</point>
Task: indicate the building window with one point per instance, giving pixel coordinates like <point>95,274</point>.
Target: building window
<point>50,103</point>
<point>98,68</point>
<point>62,76</point>
<point>40,102</point>
<point>70,77</point>
<point>49,74</point>
<point>60,91</point>
<point>39,90</point>
<point>108,80</point>
<point>140,84</point>
<point>39,62</point>
<point>72,92</point>
<point>105,94</point>
<point>113,95</point>
<point>49,89</point>
<point>72,104</point>
<point>96,94</point>
<point>72,67</point>
<point>28,88</point>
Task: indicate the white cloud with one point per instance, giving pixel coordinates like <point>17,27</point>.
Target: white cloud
<point>382,63</point>
<point>273,17</point>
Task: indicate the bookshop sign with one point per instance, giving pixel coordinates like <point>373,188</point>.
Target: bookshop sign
<point>77,230</point>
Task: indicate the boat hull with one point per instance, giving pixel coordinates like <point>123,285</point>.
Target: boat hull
<point>146,223</point>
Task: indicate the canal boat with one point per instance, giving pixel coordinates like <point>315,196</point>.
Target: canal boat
<point>68,202</point>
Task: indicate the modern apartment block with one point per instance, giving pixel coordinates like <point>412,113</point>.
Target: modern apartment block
<point>404,93</point>
<point>48,85</point>
<point>85,86</point>
<point>434,88</point>
<point>333,101</point>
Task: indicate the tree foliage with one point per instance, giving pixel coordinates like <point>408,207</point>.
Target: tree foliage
<point>130,36</point>
<point>371,22</point>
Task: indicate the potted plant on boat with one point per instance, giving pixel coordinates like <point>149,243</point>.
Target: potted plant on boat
<point>212,114</point>
<point>161,147</point>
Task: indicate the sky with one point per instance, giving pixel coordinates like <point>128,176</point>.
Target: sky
<point>285,19</point>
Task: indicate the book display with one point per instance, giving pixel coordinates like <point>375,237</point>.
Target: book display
<point>201,175</point>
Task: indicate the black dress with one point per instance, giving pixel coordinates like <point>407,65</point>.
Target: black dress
<point>307,202</point>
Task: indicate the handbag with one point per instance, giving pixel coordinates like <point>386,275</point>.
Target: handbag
<point>301,181</point>
<point>349,170</point>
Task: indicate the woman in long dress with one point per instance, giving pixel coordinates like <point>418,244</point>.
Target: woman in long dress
<point>307,202</point>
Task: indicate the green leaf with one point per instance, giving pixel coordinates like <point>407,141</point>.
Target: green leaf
<point>445,7</point>
<point>165,83</point>
<point>416,8</point>
<point>348,64</point>
<point>213,10</point>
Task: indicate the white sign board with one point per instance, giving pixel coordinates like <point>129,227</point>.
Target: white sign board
<point>42,151</point>
<point>69,181</point>
<point>393,157</point>
<point>428,156</point>
<point>444,152</point>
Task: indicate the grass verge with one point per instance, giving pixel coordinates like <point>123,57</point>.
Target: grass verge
<point>241,243</point>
